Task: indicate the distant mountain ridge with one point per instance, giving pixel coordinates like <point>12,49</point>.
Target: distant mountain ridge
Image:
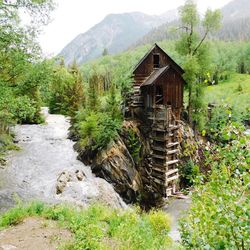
<point>236,9</point>
<point>235,25</point>
<point>116,32</point>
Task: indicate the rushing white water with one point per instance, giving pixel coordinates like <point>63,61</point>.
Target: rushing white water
<point>32,172</point>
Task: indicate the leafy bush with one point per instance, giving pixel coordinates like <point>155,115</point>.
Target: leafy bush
<point>99,227</point>
<point>98,129</point>
<point>219,214</point>
<point>24,110</point>
<point>225,125</point>
<point>188,173</point>
<point>134,145</point>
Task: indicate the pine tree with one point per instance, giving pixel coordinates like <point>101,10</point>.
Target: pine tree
<point>105,52</point>
<point>93,102</point>
<point>113,103</point>
<point>77,98</point>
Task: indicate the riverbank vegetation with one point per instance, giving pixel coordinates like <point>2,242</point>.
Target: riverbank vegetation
<point>22,70</point>
<point>219,213</point>
<point>99,227</point>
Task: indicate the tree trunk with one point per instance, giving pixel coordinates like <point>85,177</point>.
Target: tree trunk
<point>190,106</point>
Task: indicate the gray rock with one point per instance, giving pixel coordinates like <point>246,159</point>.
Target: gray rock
<point>80,175</point>
<point>62,181</point>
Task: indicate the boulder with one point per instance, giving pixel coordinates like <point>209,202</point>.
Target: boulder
<point>80,175</point>
<point>62,180</point>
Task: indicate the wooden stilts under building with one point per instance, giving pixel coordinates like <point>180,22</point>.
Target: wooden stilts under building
<point>157,101</point>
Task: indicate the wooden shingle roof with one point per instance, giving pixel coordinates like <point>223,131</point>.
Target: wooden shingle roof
<point>155,75</point>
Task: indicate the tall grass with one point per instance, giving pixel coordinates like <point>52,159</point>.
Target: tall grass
<point>99,227</point>
<point>234,92</point>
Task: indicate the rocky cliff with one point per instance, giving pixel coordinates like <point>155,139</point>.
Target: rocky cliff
<point>124,163</point>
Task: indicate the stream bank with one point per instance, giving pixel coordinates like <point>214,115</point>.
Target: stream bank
<point>46,152</point>
<point>47,159</point>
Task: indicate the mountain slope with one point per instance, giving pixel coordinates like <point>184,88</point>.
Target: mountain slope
<point>236,9</point>
<point>235,25</point>
<point>116,32</point>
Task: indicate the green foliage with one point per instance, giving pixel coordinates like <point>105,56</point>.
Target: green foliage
<point>66,90</point>
<point>17,108</point>
<point>225,93</point>
<point>134,145</point>
<point>24,110</point>
<point>21,74</point>
<point>188,173</point>
<point>239,88</point>
<point>99,227</point>
<point>225,124</point>
<point>219,214</point>
<point>93,100</point>
<point>113,104</point>
<point>98,129</point>
<point>193,47</point>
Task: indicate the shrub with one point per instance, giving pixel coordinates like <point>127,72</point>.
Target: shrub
<point>97,130</point>
<point>134,145</point>
<point>225,125</point>
<point>24,110</point>
<point>239,88</point>
<point>188,173</point>
<point>219,214</point>
<point>66,91</point>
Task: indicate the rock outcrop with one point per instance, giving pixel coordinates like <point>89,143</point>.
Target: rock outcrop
<point>77,188</point>
<point>116,165</point>
<point>124,162</point>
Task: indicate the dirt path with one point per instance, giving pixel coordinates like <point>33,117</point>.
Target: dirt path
<point>34,233</point>
<point>32,172</point>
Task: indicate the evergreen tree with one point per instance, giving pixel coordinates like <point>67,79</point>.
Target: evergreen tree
<point>113,103</point>
<point>77,99</point>
<point>105,52</point>
<point>93,102</point>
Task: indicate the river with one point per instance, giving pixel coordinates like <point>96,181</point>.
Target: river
<point>45,152</point>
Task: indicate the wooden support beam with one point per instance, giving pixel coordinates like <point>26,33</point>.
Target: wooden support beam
<point>162,149</point>
<point>172,171</point>
<point>174,151</point>
<point>163,157</point>
<point>172,162</point>
<point>172,144</point>
<point>175,177</point>
<point>161,170</point>
<point>158,181</point>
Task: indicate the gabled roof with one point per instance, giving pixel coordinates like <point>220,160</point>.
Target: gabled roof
<point>146,55</point>
<point>156,74</point>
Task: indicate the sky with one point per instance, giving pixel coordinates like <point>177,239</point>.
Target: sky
<point>73,17</point>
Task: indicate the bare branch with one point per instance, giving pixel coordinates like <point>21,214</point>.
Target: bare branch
<point>201,41</point>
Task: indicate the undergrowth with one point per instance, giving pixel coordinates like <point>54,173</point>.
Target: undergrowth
<point>99,227</point>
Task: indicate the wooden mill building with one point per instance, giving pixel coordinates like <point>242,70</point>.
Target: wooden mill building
<point>157,101</point>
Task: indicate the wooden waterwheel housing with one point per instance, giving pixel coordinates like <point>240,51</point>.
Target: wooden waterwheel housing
<point>158,94</point>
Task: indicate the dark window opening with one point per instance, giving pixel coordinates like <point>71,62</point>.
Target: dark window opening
<point>159,95</point>
<point>156,61</point>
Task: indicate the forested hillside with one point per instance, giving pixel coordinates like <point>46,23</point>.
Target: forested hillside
<point>91,105</point>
